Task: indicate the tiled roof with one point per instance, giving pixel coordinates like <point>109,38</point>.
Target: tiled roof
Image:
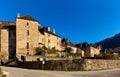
<point>85,45</point>
<point>66,42</point>
<point>42,30</point>
<point>7,23</point>
<point>27,17</point>
<point>9,27</point>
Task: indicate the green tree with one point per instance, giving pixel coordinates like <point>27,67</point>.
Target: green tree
<point>40,51</point>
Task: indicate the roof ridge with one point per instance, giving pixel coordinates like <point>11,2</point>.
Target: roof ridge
<point>27,17</point>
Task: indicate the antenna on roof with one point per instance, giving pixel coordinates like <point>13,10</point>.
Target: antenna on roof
<point>18,14</point>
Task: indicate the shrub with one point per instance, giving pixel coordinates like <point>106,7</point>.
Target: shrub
<point>3,76</point>
<point>40,51</point>
<point>0,70</point>
<point>68,50</point>
<point>52,51</point>
<point>110,56</point>
<point>74,55</point>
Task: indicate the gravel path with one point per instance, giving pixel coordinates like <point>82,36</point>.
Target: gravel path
<point>19,72</point>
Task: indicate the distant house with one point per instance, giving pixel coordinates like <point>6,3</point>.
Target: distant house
<point>90,50</point>
<point>49,38</point>
<point>67,44</point>
<point>80,52</point>
<point>8,38</point>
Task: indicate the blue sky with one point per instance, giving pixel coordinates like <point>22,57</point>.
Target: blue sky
<point>78,20</point>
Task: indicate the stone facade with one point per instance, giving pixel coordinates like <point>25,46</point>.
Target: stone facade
<point>81,52</point>
<point>67,44</point>
<point>7,39</point>
<point>52,41</point>
<point>49,39</point>
<point>4,41</point>
<point>41,40</point>
<point>26,36</point>
<point>23,37</point>
<point>89,49</point>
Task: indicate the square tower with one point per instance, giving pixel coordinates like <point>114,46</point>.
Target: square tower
<point>26,35</point>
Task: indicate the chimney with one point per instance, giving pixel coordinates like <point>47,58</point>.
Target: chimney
<point>48,28</point>
<point>86,45</point>
<point>18,15</point>
<point>1,22</point>
<point>80,45</point>
<point>54,31</point>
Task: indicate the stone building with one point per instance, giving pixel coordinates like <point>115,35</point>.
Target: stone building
<point>7,39</point>
<point>49,38</point>
<point>22,37</point>
<point>67,44</point>
<point>80,52</point>
<point>89,49</point>
<point>30,35</point>
<point>26,35</point>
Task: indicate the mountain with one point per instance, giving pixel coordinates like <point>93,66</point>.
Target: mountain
<point>112,42</point>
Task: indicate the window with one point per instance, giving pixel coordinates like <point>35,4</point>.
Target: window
<point>14,33</point>
<point>10,46</point>
<point>57,43</point>
<point>28,52</point>
<point>27,24</point>
<point>27,45</point>
<point>48,35</point>
<point>9,34</point>
<point>49,41</point>
<point>28,32</point>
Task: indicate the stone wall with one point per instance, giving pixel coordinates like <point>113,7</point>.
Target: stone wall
<point>72,65</point>
<point>97,64</point>
<point>58,65</point>
<point>4,42</point>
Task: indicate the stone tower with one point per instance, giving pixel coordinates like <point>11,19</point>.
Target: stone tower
<point>26,35</point>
